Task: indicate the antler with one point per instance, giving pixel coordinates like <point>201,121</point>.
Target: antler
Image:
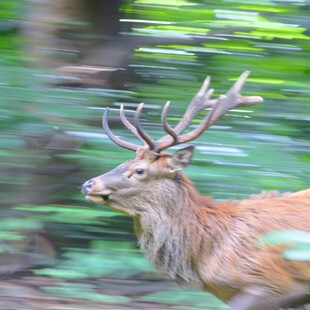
<point>200,102</point>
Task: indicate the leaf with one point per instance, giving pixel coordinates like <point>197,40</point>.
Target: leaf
<point>16,223</point>
<point>289,236</point>
<point>188,297</point>
<point>298,243</point>
<point>300,253</point>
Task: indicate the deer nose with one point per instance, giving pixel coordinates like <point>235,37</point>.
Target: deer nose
<point>87,187</point>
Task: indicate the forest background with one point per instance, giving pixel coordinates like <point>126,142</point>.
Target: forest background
<point>63,62</point>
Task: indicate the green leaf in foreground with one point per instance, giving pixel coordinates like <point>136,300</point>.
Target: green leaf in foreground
<point>297,241</point>
<point>301,253</point>
<point>189,297</point>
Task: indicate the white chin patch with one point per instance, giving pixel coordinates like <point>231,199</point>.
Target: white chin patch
<point>94,199</point>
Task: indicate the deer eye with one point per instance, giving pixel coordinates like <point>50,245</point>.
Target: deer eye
<point>139,171</point>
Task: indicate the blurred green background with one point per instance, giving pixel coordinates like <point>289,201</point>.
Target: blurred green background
<point>62,62</point>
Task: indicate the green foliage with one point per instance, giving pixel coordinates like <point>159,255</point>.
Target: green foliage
<point>9,9</point>
<point>99,260</point>
<point>297,243</point>
<point>249,150</point>
<point>68,214</point>
<point>9,231</point>
<point>189,299</point>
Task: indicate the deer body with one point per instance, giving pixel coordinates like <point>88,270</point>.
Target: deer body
<point>202,243</point>
<point>214,246</point>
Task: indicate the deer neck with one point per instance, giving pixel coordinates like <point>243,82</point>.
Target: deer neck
<point>169,233</point>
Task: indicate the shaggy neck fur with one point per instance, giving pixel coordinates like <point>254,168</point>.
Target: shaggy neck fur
<point>169,233</point>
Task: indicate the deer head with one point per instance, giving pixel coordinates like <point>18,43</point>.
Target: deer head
<point>152,177</point>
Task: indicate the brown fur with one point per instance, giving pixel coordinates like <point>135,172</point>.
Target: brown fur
<point>214,245</point>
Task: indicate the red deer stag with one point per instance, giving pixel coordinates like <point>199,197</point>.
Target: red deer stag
<point>193,239</point>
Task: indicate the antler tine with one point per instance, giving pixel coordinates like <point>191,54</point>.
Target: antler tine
<point>201,99</point>
<point>199,102</point>
<point>115,139</point>
<point>239,100</point>
<point>145,137</point>
<point>127,124</point>
<point>233,99</point>
<point>223,104</point>
<point>166,126</point>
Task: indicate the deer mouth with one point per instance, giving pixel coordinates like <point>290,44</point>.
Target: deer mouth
<point>105,197</point>
<point>98,198</point>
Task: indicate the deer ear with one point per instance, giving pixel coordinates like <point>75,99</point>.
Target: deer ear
<point>181,158</point>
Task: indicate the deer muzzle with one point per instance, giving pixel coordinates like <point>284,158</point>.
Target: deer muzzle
<point>95,191</point>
